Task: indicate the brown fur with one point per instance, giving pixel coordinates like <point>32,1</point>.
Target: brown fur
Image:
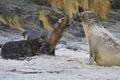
<point>104,48</point>
<point>57,33</point>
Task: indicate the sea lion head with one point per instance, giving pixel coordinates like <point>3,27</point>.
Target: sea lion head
<point>63,22</point>
<point>88,17</point>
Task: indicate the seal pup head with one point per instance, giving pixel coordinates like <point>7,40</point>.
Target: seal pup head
<point>63,23</point>
<point>88,17</point>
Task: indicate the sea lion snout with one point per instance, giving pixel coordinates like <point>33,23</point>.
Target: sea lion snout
<point>64,22</point>
<point>68,22</point>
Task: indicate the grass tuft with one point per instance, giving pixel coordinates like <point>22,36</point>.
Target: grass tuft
<point>45,22</point>
<point>2,20</point>
<point>101,7</point>
<point>14,23</point>
<point>70,6</point>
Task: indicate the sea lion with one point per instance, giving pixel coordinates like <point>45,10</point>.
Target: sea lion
<point>56,35</point>
<point>18,49</point>
<point>104,48</point>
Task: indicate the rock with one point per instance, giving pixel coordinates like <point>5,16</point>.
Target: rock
<point>70,37</point>
<point>54,15</point>
<point>28,12</point>
<point>62,41</point>
<point>41,2</point>
<point>76,29</point>
<point>113,21</point>
<point>84,47</point>
<point>73,46</point>
<point>114,15</point>
<point>61,46</point>
<point>105,24</point>
<point>3,40</point>
<point>115,4</point>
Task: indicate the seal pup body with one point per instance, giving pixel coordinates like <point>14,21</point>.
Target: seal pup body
<point>104,48</point>
<point>17,49</point>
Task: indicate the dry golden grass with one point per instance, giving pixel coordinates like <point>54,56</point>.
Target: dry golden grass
<point>101,7</point>
<point>70,6</point>
<point>2,20</point>
<point>45,21</point>
<point>14,23</point>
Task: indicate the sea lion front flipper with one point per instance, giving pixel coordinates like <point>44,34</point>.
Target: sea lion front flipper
<point>92,54</point>
<point>92,58</point>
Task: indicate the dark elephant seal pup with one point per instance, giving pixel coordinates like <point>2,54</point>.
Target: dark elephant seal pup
<point>103,46</point>
<point>19,49</point>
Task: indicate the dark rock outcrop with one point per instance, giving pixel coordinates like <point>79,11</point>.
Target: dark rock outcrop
<point>28,13</point>
<point>115,4</point>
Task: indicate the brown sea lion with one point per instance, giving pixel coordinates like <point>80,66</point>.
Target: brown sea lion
<point>18,49</point>
<point>56,35</point>
<point>104,48</point>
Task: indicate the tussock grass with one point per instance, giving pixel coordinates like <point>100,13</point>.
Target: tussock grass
<point>2,20</point>
<point>70,6</point>
<point>101,7</point>
<point>14,23</point>
<point>45,22</point>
